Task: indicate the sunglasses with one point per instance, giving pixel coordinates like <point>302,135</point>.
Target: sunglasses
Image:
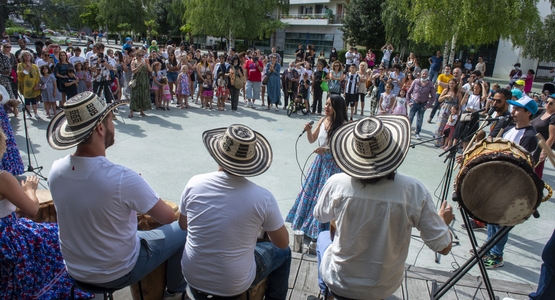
<point>497,101</point>
<point>7,46</point>
<point>549,103</point>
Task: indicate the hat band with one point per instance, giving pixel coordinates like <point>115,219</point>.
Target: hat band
<point>236,149</point>
<point>84,113</point>
<point>373,146</point>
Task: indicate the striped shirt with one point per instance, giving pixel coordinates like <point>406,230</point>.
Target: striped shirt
<point>352,83</point>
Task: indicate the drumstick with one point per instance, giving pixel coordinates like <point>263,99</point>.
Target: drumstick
<point>545,148</point>
<point>500,132</point>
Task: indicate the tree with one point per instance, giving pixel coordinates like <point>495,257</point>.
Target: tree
<point>469,22</point>
<point>223,18</point>
<point>12,8</point>
<point>119,12</point>
<point>91,16</point>
<point>362,24</point>
<point>540,41</point>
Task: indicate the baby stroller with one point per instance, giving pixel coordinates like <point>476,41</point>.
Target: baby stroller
<point>549,86</point>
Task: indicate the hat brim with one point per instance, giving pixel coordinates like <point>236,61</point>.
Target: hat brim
<point>257,165</point>
<point>61,137</point>
<point>342,149</point>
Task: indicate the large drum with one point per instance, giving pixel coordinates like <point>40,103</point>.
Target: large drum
<point>47,211</point>
<point>497,183</point>
<point>154,283</point>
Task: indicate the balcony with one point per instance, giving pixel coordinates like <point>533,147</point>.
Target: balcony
<point>310,19</point>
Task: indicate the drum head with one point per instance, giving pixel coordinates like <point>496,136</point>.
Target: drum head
<point>498,192</point>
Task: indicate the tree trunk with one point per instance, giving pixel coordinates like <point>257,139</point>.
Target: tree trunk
<point>445,50</point>
<point>453,49</point>
<point>230,41</point>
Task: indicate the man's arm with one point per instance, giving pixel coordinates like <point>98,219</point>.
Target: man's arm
<point>182,221</point>
<point>162,212</point>
<point>279,237</point>
<point>446,214</point>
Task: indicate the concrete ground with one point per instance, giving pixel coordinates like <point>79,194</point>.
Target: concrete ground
<point>166,148</point>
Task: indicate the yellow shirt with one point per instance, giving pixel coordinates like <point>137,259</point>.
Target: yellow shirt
<point>26,83</point>
<point>443,78</point>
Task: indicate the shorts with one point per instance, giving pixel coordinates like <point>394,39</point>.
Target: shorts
<point>29,101</point>
<point>253,89</point>
<point>351,99</point>
<point>172,76</point>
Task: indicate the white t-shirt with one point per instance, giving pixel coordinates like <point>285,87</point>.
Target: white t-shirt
<point>97,203</point>
<point>374,225</point>
<point>386,54</point>
<point>224,215</point>
<point>75,59</point>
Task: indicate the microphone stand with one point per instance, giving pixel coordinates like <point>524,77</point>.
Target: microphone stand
<point>30,168</point>
<point>426,141</point>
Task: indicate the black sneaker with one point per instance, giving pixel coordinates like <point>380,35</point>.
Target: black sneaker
<point>494,262</point>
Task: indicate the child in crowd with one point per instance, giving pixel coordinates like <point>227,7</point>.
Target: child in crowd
<point>80,74</point>
<point>156,77</point>
<point>71,83</point>
<point>222,91</point>
<point>528,81</point>
<point>451,123</point>
<point>385,100</point>
<point>88,76</point>
<point>49,91</point>
<point>207,91</point>
<point>166,93</point>
<point>400,104</point>
<point>304,88</point>
<point>114,88</point>
<point>351,90</point>
<point>183,88</point>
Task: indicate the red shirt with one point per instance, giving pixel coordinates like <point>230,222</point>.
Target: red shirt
<point>253,73</point>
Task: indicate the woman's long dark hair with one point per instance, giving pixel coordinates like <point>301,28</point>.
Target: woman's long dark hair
<point>340,117</point>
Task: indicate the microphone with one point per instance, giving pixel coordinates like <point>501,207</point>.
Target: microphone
<point>491,111</point>
<point>304,130</point>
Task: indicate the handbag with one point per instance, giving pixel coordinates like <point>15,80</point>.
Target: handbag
<point>238,82</point>
<point>334,86</point>
<point>466,116</point>
<point>266,79</point>
<point>132,83</point>
<point>324,84</point>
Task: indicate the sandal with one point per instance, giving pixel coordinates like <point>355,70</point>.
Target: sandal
<point>130,116</point>
<point>142,114</point>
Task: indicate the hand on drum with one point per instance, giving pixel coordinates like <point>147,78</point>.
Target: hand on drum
<point>446,213</point>
<point>30,184</point>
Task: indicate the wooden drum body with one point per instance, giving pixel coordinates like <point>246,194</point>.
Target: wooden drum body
<point>154,283</point>
<point>497,183</point>
<point>47,211</point>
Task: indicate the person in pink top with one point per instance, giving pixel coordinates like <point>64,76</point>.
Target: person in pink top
<point>528,81</point>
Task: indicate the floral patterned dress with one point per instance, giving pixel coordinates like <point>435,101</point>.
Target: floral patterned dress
<point>31,264</point>
<point>11,161</point>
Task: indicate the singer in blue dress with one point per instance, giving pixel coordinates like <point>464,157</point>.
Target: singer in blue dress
<point>301,214</point>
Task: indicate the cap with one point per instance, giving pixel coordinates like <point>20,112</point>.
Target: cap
<point>516,93</point>
<point>527,103</point>
<point>520,82</point>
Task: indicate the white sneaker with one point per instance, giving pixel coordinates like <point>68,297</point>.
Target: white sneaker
<point>417,136</point>
<point>37,116</point>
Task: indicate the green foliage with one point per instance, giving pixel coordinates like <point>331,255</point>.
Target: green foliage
<point>540,41</point>
<point>362,24</point>
<point>14,29</point>
<point>341,55</point>
<point>240,18</point>
<point>472,22</point>
<point>91,16</point>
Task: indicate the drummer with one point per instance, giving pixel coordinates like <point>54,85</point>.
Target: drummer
<point>97,203</point>
<point>521,132</point>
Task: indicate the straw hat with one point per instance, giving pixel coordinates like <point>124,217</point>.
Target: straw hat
<point>81,114</point>
<point>239,150</point>
<point>372,147</point>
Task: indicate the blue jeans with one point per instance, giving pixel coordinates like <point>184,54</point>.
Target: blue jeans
<point>435,107</point>
<point>417,108</point>
<point>500,246</point>
<point>432,74</point>
<point>274,263</point>
<point>546,285</point>
<point>324,241</point>
<point>162,244</point>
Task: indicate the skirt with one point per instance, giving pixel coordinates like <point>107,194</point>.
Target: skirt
<point>301,214</point>
<point>31,264</point>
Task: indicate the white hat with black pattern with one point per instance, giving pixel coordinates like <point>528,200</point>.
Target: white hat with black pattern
<point>239,150</point>
<point>81,114</point>
<point>372,147</point>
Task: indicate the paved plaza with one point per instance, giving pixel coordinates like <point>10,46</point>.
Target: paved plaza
<point>166,148</point>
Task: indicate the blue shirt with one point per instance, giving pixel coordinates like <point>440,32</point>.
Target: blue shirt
<point>436,63</point>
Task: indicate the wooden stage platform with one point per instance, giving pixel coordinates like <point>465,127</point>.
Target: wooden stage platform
<point>417,286</point>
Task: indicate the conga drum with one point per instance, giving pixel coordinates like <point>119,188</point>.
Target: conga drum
<point>154,283</point>
<point>47,211</point>
<point>497,183</point>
